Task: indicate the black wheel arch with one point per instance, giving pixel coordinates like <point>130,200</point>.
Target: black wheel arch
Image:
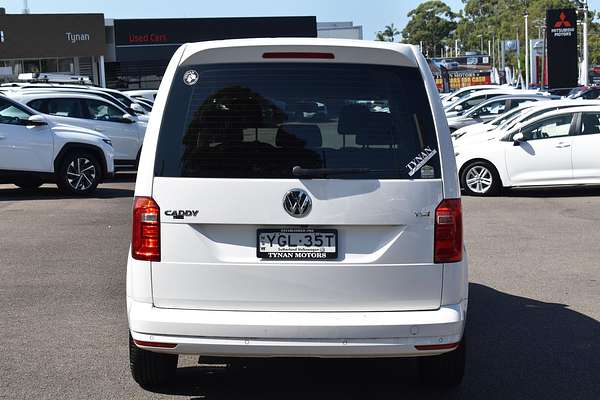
<point>74,146</point>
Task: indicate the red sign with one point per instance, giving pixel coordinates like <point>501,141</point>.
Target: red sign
<point>148,38</point>
<point>459,79</point>
<point>563,22</point>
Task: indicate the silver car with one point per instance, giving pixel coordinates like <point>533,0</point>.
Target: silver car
<point>492,108</point>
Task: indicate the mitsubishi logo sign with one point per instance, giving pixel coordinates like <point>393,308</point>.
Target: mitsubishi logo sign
<point>563,22</point>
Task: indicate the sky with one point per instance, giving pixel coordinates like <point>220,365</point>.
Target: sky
<point>372,15</point>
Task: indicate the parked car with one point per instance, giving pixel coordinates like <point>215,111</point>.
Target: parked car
<point>449,64</point>
<point>465,104</point>
<point>114,96</point>
<point>148,94</point>
<point>466,91</point>
<point>491,109</point>
<point>36,150</point>
<point>556,148</point>
<point>92,112</point>
<point>586,93</point>
<point>487,126</point>
<point>524,114</point>
<point>259,236</point>
<point>145,103</point>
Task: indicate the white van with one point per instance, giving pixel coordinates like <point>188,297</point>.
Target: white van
<point>260,230</point>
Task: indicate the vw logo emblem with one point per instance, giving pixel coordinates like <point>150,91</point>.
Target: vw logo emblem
<point>297,203</point>
<point>190,77</point>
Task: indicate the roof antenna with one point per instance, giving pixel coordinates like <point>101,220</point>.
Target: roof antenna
<point>25,6</point>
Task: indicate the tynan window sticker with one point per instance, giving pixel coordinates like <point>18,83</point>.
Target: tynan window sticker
<point>419,161</point>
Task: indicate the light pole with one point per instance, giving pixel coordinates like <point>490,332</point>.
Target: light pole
<point>481,48</point>
<point>526,15</point>
<point>584,76</point>
<point>583,6</point>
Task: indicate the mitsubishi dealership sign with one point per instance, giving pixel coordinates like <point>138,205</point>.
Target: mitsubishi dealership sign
<point>563,71</point>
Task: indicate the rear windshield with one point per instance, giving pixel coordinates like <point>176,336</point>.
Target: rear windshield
<point>263,120</point>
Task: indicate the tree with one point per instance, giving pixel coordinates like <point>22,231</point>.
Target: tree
<point>432,23</point>
<point>388,34</point>
<point>488,20</point>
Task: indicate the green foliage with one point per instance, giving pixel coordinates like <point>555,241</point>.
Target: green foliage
<point>435,24</point>
<point>388,34</point>
<point>432,23</point>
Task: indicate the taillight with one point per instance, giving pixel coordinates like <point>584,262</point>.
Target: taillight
<point>300,55</point>
<point>448,247</point>
<point>145,240</point>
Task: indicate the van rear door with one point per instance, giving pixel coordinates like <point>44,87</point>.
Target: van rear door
<point>353,145</point>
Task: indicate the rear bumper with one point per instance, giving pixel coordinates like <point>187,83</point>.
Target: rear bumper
<point>297,334</point>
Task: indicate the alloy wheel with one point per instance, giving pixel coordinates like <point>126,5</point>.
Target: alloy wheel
<point>479,179</point>
<point>81,173</point>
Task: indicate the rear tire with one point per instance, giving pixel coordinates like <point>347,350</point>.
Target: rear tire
<point>150,369</point>
<point>79,173</point>
<point>446,370</point>
<point>480,178</point>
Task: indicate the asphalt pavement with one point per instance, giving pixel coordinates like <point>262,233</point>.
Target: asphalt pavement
<point>533,330</point>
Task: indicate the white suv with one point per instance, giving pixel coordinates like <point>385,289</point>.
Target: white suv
<point>261,231</point>
<point>34,150</point>
<point>92,112</point>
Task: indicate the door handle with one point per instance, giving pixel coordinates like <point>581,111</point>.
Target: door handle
<point>562,145</point>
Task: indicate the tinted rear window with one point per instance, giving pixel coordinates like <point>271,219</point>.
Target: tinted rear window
<point>262,120</point>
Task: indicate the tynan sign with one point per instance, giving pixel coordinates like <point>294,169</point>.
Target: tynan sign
<point>78,37</point>
<point>24,36</point>
<point>419,161</point>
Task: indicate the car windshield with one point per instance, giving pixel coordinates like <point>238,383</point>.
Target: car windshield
<point>263,120</point>
<point>508,116</point>
<point>522,117</point>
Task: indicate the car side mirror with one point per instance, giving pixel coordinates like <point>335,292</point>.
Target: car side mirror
<point>458,108</point>
<point>518,139</point>
<point>137,108</point>
<point>128,119</point>
<point>36,120</point>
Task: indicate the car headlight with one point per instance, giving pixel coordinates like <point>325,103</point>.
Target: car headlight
<point>108,142</point>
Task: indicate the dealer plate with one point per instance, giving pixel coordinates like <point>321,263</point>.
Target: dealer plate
<point>296,244</point>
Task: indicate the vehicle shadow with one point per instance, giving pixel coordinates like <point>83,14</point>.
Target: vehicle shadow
<point>554,192</point>
<point>518,348</point>
<point>51,192</point>
<point>122,177</point>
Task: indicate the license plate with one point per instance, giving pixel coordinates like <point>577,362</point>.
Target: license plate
<point>296,244</point>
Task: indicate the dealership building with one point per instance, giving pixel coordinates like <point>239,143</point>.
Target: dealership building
<point>64,43</point>
<point>130,53</point>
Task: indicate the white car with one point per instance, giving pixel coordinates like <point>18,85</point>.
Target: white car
<point>492,108</point>
<point>92,112</point>
<point>112,95</point>
<point>148,94</point>
<point>36,150</point>
<point>258,234</point>
<point>465,104</point>
<point>521,115</point>
<point>466,91</point>
<point>555,148</point>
